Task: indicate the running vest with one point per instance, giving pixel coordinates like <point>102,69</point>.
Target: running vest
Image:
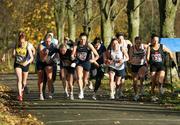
<point>83,53</point>
<point>66,58</point>
<point>138,55</point>
<point>156,56</point>
<point>21,54</point>
<point>50,54</point>
<point>115,56</point>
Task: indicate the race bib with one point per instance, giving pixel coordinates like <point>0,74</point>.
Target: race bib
<point>82,56</point>
<point>157,57</point>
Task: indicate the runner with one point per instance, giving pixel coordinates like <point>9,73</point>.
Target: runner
<point>55,44</point>
<point>137,59</point>
<point>26,89</point>
<point>21,63</point>
<point>66,71</point>
<point>97,66</point>
<point>126,44</point>
<point>155,57</point>
<point>115,60</point>
<point>81,51</point>
<point>44,62</point>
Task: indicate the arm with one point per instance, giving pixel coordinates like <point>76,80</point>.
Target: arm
<point>165,49</point>
<point>130,53</point>
<point>14,53</point>
<point>96,55</point>
<point>125,54</point>
<point>43,53</point>
<point>148,54</point>
<point>31,55</point>
<point>73,52</point>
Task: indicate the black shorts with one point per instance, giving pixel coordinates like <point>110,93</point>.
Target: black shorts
<point>24,68</point>
<point>85,64</point>
<point>156,67</point>
<point>41,65</point>
<point>135,68</point>
<point>69,69</point>
<point>118,73</point>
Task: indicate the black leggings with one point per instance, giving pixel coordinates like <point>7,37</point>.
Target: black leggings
<point>99,76</point>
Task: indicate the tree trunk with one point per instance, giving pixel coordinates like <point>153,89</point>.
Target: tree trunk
<point>59,8</point>
<point>106,9</point>
<point>106,30</point>
<point>71,20</point>
<point>133,18</point>
<point>87,16</point>
<point>167,9</point>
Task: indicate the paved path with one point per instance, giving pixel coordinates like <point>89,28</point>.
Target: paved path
<point>60,111</point>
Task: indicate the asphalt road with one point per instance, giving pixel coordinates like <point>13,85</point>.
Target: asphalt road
<point>60,111</point>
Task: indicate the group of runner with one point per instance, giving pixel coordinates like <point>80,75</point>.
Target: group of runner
<point>81,59</point>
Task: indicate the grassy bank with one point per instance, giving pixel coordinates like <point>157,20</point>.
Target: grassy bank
<point>10,116</point>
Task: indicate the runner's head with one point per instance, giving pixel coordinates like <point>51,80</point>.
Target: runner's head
<point>22,38</point>
<point>114,44</point>
<point>48,39</point>
<point>63,49</point>
<point>120,36</point>
<point>138,41</point>
<point>154,39</point>
<point>83,38</point>
<point>97,43</point>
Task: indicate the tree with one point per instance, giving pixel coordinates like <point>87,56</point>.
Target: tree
<point>167,10</point>
<point>59,10</point>
<point>106,10</point>
<point>87,16</point>
<point>133,18</point>
<point>71,19</point>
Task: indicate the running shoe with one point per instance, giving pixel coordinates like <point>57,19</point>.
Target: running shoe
<point>94,96</point>
<point>71,97</point>
<point>66,95</point>
<point>20,98</point>
<point>112,95</point>
<point>50,96</point>
<point>81,95</point>
<point>90,85</point>
<point>41,97</point>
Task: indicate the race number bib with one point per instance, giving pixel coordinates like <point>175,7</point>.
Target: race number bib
<point>82,56</point>
<point>157,57</point>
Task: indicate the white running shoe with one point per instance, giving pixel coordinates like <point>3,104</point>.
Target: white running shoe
<point>81,95</point>
<point>90,85</point>
<point>94,96</point>
<point>112,95</point>
<point>41,97</point>
<point>50,96</point>
<point>66,95</point>
<point>71,97</point>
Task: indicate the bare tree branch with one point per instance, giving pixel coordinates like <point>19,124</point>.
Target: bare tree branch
<point>139,5</point>
<point>119,11</point>
<point>111,6</point>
